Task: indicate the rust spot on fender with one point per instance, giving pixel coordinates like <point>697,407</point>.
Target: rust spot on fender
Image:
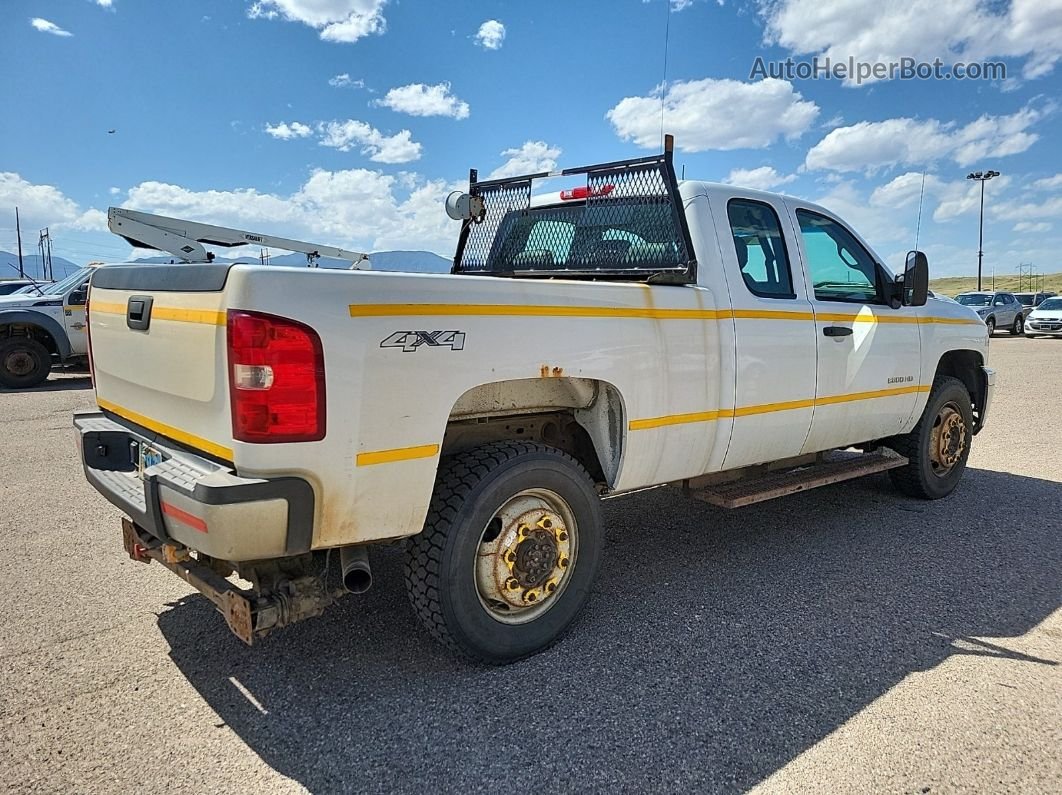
<point>545,371</point>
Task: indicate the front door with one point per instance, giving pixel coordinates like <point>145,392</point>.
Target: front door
<point>74,319</point>
<point>869,354</point>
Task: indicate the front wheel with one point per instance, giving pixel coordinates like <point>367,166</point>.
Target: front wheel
<point>991,323</point>
<point>509,550</point>
<point>939,445</point>
<point>1019,326</point>
<point>24,363</point>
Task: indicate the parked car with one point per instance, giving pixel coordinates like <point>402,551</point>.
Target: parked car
<point>997,309</point>
<point>276,421</point>
<point>1045,319</point>
<point>941,297</point>
<point>1032,300</point>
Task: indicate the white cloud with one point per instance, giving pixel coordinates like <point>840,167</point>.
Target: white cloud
<point>716,114</point>
<point>418,99</point>
<point>345,135</point>
<point>530,158</point>
<point>360,209</point>
<point>869,146</point>
<point>336,20</point>
<point>286,132</point>
<point>1026,226</point>
<point>114,191</point>
<point>1048,183</point>
<point>344,81</point>
<point>44,26</point>
<point>959,30</point>
<point>947,199</point>
<point>679,5</point>
<point>42,206</point>
<point>349,134</point>
<point>105,3</point>
<point>490,35</point>
<point>762,178</point>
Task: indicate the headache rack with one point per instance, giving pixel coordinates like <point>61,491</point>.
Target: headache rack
<point>626,222</point>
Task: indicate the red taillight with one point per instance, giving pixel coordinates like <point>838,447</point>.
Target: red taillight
<point>585,192</point>
<point>276,379</point>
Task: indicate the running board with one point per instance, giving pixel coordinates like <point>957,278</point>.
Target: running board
<point>780,484</point>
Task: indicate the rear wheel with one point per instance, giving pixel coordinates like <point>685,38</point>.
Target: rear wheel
<point>508,553</point>
<point>24,363</point>
<point>939,445</point>
<point>1019,326</point>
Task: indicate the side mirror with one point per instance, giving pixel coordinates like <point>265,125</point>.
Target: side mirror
<point>916,279</point>
<point>78,297</point>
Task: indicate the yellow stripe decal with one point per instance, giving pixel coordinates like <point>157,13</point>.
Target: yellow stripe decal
<point>768,408</point>
<point>208,317</point>
<point>399,454</point>
<point>649,313</point>
<point>679,419</point>
<point>532,310</point>
<point>167,430</point>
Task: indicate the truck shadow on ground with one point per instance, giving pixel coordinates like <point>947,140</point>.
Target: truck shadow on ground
<point>717,646</point>
<point>75,381</point>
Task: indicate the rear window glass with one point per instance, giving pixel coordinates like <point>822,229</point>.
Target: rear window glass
<point>636,235</point>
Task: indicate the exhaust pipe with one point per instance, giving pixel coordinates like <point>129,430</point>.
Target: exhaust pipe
<point>354,564</point>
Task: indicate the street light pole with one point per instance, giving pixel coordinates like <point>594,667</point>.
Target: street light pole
<point>982,177</point>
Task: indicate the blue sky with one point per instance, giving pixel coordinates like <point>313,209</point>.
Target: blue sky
<point>348,121</point>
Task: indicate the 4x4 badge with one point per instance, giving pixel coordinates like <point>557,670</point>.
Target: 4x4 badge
<point>411,340</point>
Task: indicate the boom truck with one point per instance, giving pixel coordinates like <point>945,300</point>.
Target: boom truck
<point>630,330</point>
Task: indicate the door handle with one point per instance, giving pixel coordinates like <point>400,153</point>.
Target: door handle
<point>837,331</point>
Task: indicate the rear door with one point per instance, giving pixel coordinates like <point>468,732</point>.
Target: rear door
<point>774,330</point>
<point>869,354</point>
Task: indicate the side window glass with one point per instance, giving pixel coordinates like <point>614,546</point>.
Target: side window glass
<point>760,248</point>
<point>839,267</point>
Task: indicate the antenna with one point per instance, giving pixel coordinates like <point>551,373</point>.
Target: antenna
<point>663,83</point>
<point>18,231</point>
<point>918,225</point>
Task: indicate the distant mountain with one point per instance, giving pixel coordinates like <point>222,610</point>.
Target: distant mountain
<point>32,265</point>
<point>399,261</point>
<point>410,262</point>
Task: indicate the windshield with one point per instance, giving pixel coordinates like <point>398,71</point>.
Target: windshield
<point>62,287</point>
<point>974,299</point>
<point>1054,304</point>
<point>1026,300</point>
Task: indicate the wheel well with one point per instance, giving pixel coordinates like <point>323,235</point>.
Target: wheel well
<point>966,366</point>
<point>9,330</point>
<point>582,417</point>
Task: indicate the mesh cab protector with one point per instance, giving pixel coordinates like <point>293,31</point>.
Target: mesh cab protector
<point>626,222</point>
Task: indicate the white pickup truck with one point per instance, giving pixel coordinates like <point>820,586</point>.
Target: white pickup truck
<point>628,331</point>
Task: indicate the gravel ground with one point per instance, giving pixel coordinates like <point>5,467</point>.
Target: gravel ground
<point>846,639</point>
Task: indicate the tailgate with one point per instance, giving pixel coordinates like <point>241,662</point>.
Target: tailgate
<point>159,350</point>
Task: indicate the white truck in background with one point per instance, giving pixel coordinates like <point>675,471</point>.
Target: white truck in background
<point>628,331</point>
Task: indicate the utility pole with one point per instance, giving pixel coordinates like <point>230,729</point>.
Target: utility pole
<point>18,232</point>
<point>44,245</point>
<point>982,177</point>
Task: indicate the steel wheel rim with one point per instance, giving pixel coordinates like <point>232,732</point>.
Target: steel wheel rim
<point>19,363</point>
<point>526,555</point>
<point>947,440</point>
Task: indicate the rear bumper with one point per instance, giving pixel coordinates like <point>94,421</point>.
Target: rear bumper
<point>192,500</point>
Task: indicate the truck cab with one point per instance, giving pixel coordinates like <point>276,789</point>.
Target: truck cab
<point>627,331</point>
